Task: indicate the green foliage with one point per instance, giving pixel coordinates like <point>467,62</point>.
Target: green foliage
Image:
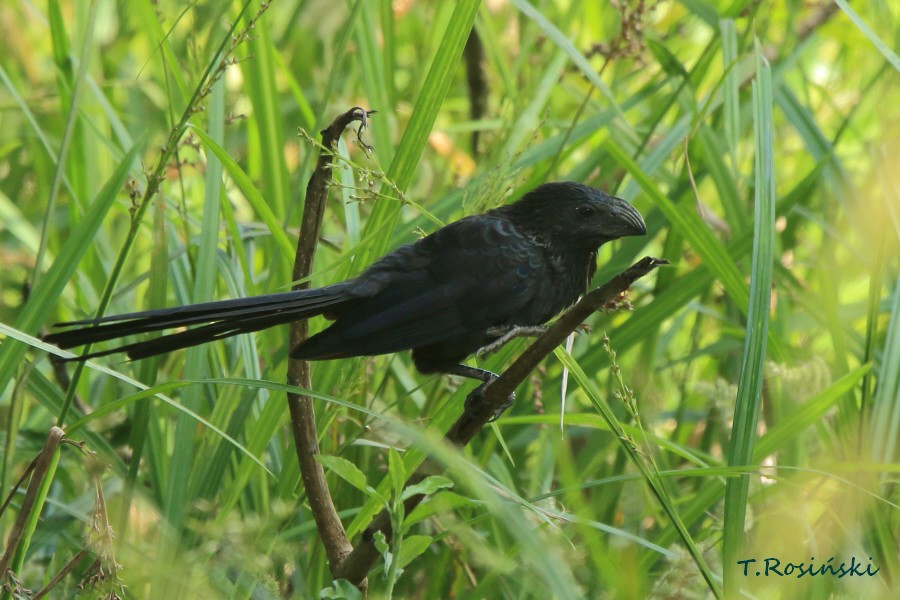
<point>150,156</point>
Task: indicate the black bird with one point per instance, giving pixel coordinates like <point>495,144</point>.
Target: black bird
<point>444,296</point>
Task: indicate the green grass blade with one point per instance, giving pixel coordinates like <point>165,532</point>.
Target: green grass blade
<point>575,55</point>
<point>263,93</point>
<point>731,91</point>
<point>196,366</point>
<point>692,228</point>
<point>434,90</point>
<point>251,193</point>
<point>44,297</point>
<point>750,382</point>
<point>867,31</point>
<point>810,412</point>
<point>886,408</point>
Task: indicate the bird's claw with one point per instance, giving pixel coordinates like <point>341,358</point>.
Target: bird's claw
<point>475,400</point>
<point>502,409</point>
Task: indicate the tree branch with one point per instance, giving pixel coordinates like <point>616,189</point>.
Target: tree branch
<point>357,564</point>
<point>41,466</point>
<point>303,416</point>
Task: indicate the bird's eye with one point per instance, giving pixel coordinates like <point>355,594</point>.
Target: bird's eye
<point>585,211</point>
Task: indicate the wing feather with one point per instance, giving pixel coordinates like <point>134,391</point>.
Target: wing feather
<point>467,277</point>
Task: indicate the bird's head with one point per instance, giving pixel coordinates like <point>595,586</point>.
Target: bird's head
<point>574,216</point>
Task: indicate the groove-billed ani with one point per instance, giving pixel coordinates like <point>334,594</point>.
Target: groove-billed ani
<point>444,296</point>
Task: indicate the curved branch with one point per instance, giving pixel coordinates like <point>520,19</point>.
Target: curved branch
<point>303,416</point>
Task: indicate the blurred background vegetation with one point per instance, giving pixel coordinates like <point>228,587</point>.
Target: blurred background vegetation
<point>191,490</point>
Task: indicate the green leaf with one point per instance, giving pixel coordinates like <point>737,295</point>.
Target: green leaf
<point>381,544</point>
<point>346,470</point>
<point>397,471</point>
<point>427,486</point>
<point>341,589</point>
<point>413,546</point>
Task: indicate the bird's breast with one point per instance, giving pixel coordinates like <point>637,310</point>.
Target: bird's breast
<point>562,281</point>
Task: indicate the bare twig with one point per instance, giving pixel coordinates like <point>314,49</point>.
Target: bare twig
<point>358,563</point>
<point>67,568</point>
<point>821,14</point>
<point>476,79</point>
<point>41,466</point>
<point>303,417</point>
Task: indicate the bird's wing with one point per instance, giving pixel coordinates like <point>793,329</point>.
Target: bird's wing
<point>471,275</point>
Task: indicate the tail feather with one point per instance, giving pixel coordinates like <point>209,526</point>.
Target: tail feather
<point>209,309</point>
<point>217,320</point>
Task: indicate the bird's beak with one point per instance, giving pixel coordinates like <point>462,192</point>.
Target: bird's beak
<point>626,220</point>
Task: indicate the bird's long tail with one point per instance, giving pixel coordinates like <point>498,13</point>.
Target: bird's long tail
<point>216,320</point>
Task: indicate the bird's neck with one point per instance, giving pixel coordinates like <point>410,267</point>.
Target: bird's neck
<point>534,223</point>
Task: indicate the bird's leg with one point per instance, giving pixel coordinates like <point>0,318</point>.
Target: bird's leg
<point>506,334</point>
<point>513,331</point>
<point>476,396</point>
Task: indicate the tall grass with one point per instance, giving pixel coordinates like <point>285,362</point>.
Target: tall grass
<point>745,409</point>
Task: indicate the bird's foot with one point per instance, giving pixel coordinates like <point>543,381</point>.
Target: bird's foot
<point>475,400</point>
<point>474,405</point>
<point>506,334</point>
